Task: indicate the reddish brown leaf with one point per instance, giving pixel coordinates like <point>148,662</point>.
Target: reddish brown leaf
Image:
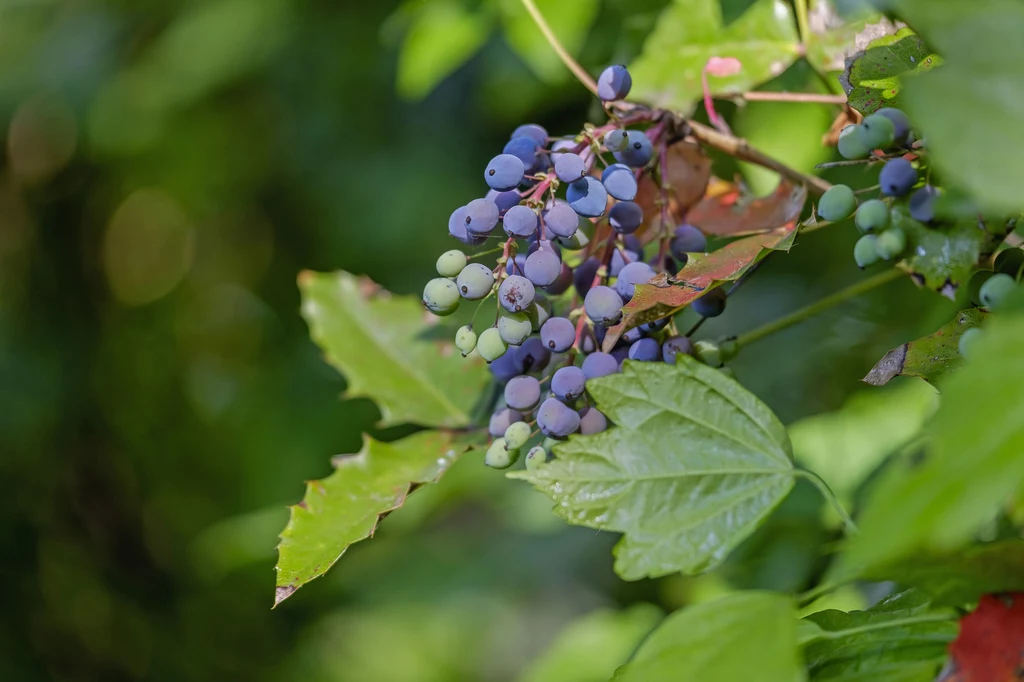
<point>664,296</point>
<point>729,214</point>
<point>990,647</point>
<point>687,171</point>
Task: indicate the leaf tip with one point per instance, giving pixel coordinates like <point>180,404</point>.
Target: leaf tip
<point>889,366</point>
<point>282,592</point>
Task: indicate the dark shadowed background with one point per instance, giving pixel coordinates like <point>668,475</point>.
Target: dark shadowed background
<point>168,168</point>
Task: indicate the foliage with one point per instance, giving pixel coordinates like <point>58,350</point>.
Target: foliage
<point>168,171</point>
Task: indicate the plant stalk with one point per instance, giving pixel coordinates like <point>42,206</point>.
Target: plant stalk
<point>581,74</point>
<point>819,306</point>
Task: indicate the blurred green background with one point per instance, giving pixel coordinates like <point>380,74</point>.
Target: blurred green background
<point>168,168</point>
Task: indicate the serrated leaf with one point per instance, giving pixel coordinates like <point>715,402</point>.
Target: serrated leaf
<point>592,647</point>
<point>380,343</point>
<point>346,507</point>
<point>962,576</point>
<point>903,638</point>
<point>940,258</point>
<point>689,32</point>
<point>744,636</point>
<point>930,356</point>
<point>972,466</point>
<point>694,464</point>
<point>443,37</point>
<point>570,21</point>
<point>872,77</point>
<point>664,296</point>
<point>834,38</point>
<point>970,109</point>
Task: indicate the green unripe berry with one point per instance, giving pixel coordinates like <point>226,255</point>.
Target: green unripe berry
<point>891,243</point>
<point>517,434</point>
<point>490,345</point>
<point>550,443</point>
<point>872,216</point>
<point>465,340</point>
<point>837,203</point>
<point>450,263</point>
<point>877,132</point>
<point>900,122</point>
<point>996,290</point>
<point>850,146</point>
<point>729,349</point>
<point>968,340</point>
<point>441,296</point>
<point>536,458</point>
<point>865,251</point>
<point>708,352</point>
<point>499,455</point>
<point>514,328</point>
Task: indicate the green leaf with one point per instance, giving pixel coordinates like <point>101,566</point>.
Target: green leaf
<point>872,79</point>
<point>689,32</point>
<point>694,465</point>
<point>744,636</point>
<point>570,21</point>
<point>845,446</point>
<point>379,342</point>
<point>929,357</point>
<point>972,466</point>
<point>970,110</point>
<point>963,576</point>
<point>834,37</point>
<point>346,507</point>
<point>443,37</point>
<point>903,638</point>
<point>591,648</point>
<point>941,259</point>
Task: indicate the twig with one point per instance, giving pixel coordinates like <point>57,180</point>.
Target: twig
<point>813,309</point>
<point>738,147</point>
<point>806,97</point>
<point>830,497</point>
<point>581,75</point>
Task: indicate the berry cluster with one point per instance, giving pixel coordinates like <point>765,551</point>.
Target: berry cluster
<point>571,257</point>
<point>884,134</point>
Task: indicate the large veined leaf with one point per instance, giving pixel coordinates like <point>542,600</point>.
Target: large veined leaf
<point>346,507</point>
<point>591,648</point>
<point>379,342</point>
<point>664,296</point>
<point>834,37</point>
<point>929,357</point>
<point>903,638</point>
<point>970,109</point>
<point>972,467</point>
<point>689,32</point>
<point>744,636</point>
<point>694,464</point>
<point>872,78</point>
<point>962,576</point>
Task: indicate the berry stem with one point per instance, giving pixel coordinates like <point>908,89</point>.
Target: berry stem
<point>798,97</point>
<point>803,24</point>
<point>581,75</point>
<point>738,147</point>
<point>830,497</point>
<point>819,306</point>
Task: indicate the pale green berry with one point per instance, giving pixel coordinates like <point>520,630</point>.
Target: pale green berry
<point>499,455</point>
<point>490,345</point>
<point>441,296</point>
<point>536,458</point>
<point>517,434</point>
<point>514,327</point>
<point>465,340</point>
<point>450,263</point>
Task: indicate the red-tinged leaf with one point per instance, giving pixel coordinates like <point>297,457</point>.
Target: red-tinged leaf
<point>664,296</point>
<point>990,647</point>
<point>731,213</point>
<point>687,172</point>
